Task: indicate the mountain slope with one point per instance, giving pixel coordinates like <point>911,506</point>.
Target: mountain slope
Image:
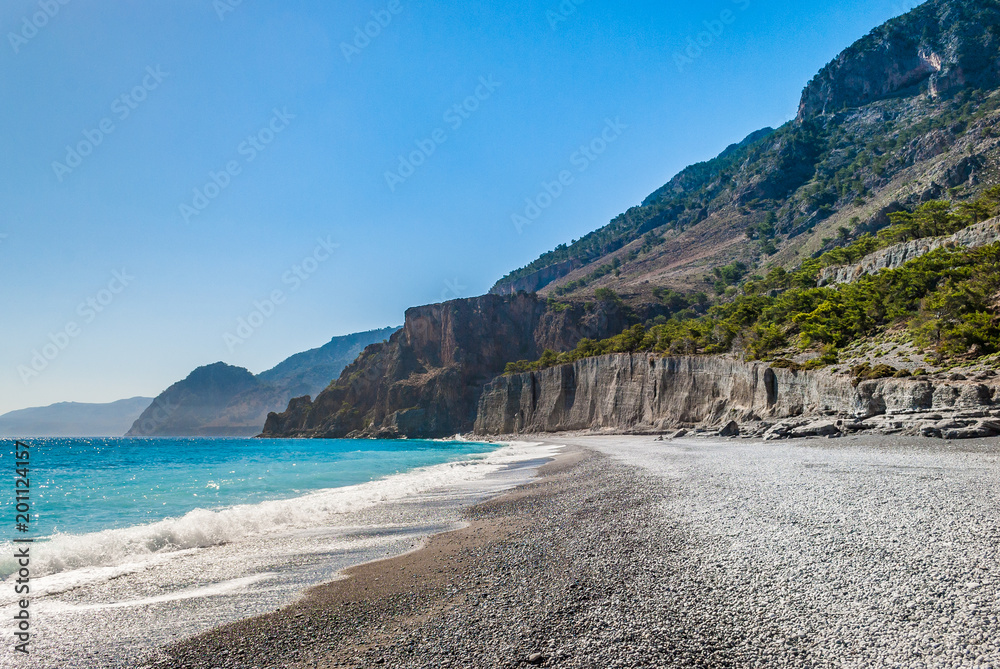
<point>900,117</point>
<point>905,116</point>
<point>73,419</point>
<point>222,400</point>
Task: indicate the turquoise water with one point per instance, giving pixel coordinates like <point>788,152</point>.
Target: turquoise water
<point>81,486</point>
<point>146,541</point>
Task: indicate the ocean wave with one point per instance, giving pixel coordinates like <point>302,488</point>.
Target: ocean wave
<point>128,548</point>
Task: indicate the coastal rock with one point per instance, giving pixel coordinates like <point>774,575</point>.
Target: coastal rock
<point>822,428</point>
<point>633,393</point>
<point>426,380</point>
<point>973,430</point>
<point>732,429</point>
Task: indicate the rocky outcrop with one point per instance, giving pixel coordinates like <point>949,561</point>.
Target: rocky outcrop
<point>643,393</point>
<point>537,280</point>
<point>981,234</point>
<point>426,380</point>
<point>940,46</point>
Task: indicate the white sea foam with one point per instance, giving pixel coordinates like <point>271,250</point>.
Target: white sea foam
<point>111,552</point>
<point>234,585</point>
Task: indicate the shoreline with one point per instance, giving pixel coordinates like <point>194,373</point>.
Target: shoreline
<point>627,552</point>
<point>362,591</point>
<point>123,614</point>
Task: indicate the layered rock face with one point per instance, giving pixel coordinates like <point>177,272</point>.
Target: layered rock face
<point>536,280</point>
<point>974,236</point>
<point>643,393</point>
<point>941,45</point>
<point>426,381</point>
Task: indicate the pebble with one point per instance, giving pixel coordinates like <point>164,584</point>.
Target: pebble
<point>848,554</point>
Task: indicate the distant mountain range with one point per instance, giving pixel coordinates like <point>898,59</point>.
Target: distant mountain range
<point>73,419</point>
<point>222,400</point>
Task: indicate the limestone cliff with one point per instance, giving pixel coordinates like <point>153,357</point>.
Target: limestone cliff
<point>644,393</point>
<point>426,380</point>
<point>939,46</point>
<point>897,255</point>
<point>534,281</point>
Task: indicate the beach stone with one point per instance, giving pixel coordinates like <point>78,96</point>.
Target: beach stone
<point>732,429</point>
<point>536,658</point>
<point>822,428</point>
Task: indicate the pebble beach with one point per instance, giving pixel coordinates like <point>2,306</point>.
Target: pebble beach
<point>626,552</point>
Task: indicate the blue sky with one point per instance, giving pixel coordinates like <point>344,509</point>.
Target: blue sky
<point>172,167</point>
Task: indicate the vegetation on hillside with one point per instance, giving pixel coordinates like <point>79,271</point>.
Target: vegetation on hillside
<point>783,182</point>
<point>947,300</point>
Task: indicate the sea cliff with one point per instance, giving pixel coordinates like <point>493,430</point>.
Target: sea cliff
<point>426,380</point>
<point>639,393</point>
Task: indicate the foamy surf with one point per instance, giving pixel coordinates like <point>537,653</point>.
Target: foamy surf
<point>110,553</point>
<point>114,598</point>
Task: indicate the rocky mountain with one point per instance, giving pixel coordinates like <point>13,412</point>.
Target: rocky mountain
<point>905,115</point>
<point>902,118</point>
<point>73,419</point>
<point>935,49</point>
<point>222,400</point>
<point>426,380</point>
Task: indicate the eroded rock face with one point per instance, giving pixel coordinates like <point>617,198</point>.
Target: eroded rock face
<point>645,393</point>
<point>892,257</point>
<point>536,280</point>
<point>426,380</point>
<point>938,47</point>
<point>640,393</point>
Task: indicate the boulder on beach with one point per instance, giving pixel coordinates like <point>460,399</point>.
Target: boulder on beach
<point>732,429</point>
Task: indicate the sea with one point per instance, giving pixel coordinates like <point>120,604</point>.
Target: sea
<point>137,543</point>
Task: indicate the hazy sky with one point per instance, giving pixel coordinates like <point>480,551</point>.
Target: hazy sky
<point>171,167</point>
